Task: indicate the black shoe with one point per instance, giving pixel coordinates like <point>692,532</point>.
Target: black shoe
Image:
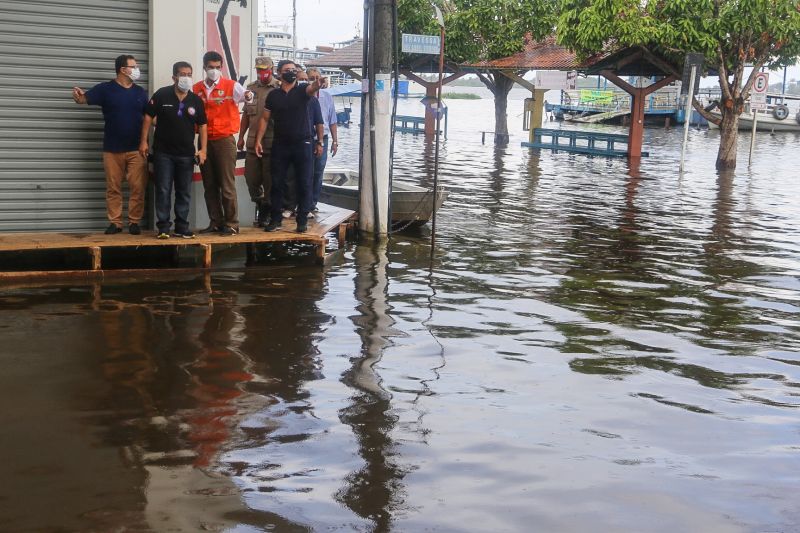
<point>302,228</point>
<point>273,226</point>
<point>211,229</point>
<point>188,234</point>
<point>227,230</point>
<point>113,229</point>
<point>134,229</point>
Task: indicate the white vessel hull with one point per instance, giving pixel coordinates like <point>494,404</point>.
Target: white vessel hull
<point>410,204</point>
<point>764,122</point>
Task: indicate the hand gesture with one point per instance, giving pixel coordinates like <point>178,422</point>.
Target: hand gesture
<point>334,148</point>
<point>143,149</point>
<point>259,149</point>
<point>201,157</point>
<point>318,149</point>
<point>79,95</point>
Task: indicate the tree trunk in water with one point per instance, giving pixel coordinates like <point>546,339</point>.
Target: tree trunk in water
<point>729,133</point>
<point>502,86</point>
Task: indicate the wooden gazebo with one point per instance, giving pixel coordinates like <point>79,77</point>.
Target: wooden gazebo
<point>549,55</point>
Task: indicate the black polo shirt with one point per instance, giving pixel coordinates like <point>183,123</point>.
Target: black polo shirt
<point>175,121</point>
<point>290,112</point>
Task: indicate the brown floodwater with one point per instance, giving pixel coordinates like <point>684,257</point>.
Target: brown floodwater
<point>596,348</point>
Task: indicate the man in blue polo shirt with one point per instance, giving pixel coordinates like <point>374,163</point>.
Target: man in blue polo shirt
<point>293,144</point>
<point>123,103</point>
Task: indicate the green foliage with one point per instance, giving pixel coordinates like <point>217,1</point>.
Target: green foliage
<point>480,30</point>
<point>729,32</point>
<point>461,96</point>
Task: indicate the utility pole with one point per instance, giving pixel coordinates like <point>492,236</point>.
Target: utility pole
<point>376,125</point>
<point>294,30</point>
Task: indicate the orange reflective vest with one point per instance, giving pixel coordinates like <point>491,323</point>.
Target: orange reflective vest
<point>222,111</point>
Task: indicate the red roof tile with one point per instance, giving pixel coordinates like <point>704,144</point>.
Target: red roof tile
<point>349,56</point>
<point>540,55</point>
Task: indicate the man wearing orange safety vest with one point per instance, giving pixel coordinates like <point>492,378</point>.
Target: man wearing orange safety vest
<point>221,97</point>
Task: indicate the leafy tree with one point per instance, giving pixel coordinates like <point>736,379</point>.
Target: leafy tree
<point>483,30</point>
<point>733,35</point>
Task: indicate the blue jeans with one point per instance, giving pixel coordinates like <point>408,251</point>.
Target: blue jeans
<point>171,169</point>
<point>299,155</point>
<point>319,170</point>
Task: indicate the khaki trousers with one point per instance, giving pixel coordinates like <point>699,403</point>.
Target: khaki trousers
<point>119,167</point>
<point>219,182</point>
<point>258,174</point>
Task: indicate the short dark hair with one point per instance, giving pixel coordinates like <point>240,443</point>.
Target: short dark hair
<point>211,56</point>
<point>179,65</point>
<point>122,61</point>
<point>283,62</point>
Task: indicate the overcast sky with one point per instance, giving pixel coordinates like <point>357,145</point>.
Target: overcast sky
<point>318,21</point>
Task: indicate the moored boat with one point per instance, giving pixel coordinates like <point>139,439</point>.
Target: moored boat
<point>411,205</point>
<point>782,114</point>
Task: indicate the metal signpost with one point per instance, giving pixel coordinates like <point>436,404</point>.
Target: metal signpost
<point>758,101</point>
<point>691,69</point>
<point>433,45</point>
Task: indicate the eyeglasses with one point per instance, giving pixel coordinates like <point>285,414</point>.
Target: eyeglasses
<point>180,109</point>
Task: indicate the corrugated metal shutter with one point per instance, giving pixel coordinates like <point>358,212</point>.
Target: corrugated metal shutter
<point>51,168</point>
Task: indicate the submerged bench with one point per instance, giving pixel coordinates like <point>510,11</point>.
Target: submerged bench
<point>581,141</point>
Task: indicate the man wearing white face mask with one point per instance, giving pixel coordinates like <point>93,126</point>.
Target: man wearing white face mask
<point>221,97</point>
<point>177,112</point>
<point>122,102</point>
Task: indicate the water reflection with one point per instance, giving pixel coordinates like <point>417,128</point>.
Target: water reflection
<point>616,337</point>
<point>374,491</point>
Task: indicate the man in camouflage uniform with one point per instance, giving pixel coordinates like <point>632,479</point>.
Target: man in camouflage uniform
<point>257,171</point>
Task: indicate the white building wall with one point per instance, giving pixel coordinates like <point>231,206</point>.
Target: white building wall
<point>184,30</point>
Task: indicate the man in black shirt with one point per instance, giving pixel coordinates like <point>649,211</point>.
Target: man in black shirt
<point>178,112</point>
<point>293,142</point>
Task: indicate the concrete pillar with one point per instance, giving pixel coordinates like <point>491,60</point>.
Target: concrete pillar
<point>377,127</point>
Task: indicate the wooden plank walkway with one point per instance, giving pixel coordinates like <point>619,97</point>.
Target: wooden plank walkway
<point>329,219</point>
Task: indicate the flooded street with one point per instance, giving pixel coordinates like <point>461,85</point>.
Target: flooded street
<point>597,348</point>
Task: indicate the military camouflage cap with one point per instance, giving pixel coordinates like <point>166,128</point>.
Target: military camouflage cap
<point>264,62</point>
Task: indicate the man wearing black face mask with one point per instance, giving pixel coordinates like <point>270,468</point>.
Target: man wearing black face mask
<point>293,142</point>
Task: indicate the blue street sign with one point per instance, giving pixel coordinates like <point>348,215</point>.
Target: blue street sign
<point>421,44</point>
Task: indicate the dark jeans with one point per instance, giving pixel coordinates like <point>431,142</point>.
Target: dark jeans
<point>171,169</point>
<point>319,170</point>
<point>300,156</point>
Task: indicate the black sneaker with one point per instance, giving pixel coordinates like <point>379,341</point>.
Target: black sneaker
<point>273,226</point>
<point>113,229</point>
<point>211,229</point>
<point>188,234</point>
<point>134,229</point>
<point>302,228</point>
<point>227,230</point>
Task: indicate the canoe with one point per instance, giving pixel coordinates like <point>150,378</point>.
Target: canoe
<point>411,205</point>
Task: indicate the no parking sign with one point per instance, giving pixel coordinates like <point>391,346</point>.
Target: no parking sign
<point>758,94</point>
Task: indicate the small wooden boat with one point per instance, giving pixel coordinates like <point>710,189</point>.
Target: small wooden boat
<point>411,204</point>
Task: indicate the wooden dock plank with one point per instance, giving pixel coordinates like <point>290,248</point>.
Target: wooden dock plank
<point>329,219</point>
